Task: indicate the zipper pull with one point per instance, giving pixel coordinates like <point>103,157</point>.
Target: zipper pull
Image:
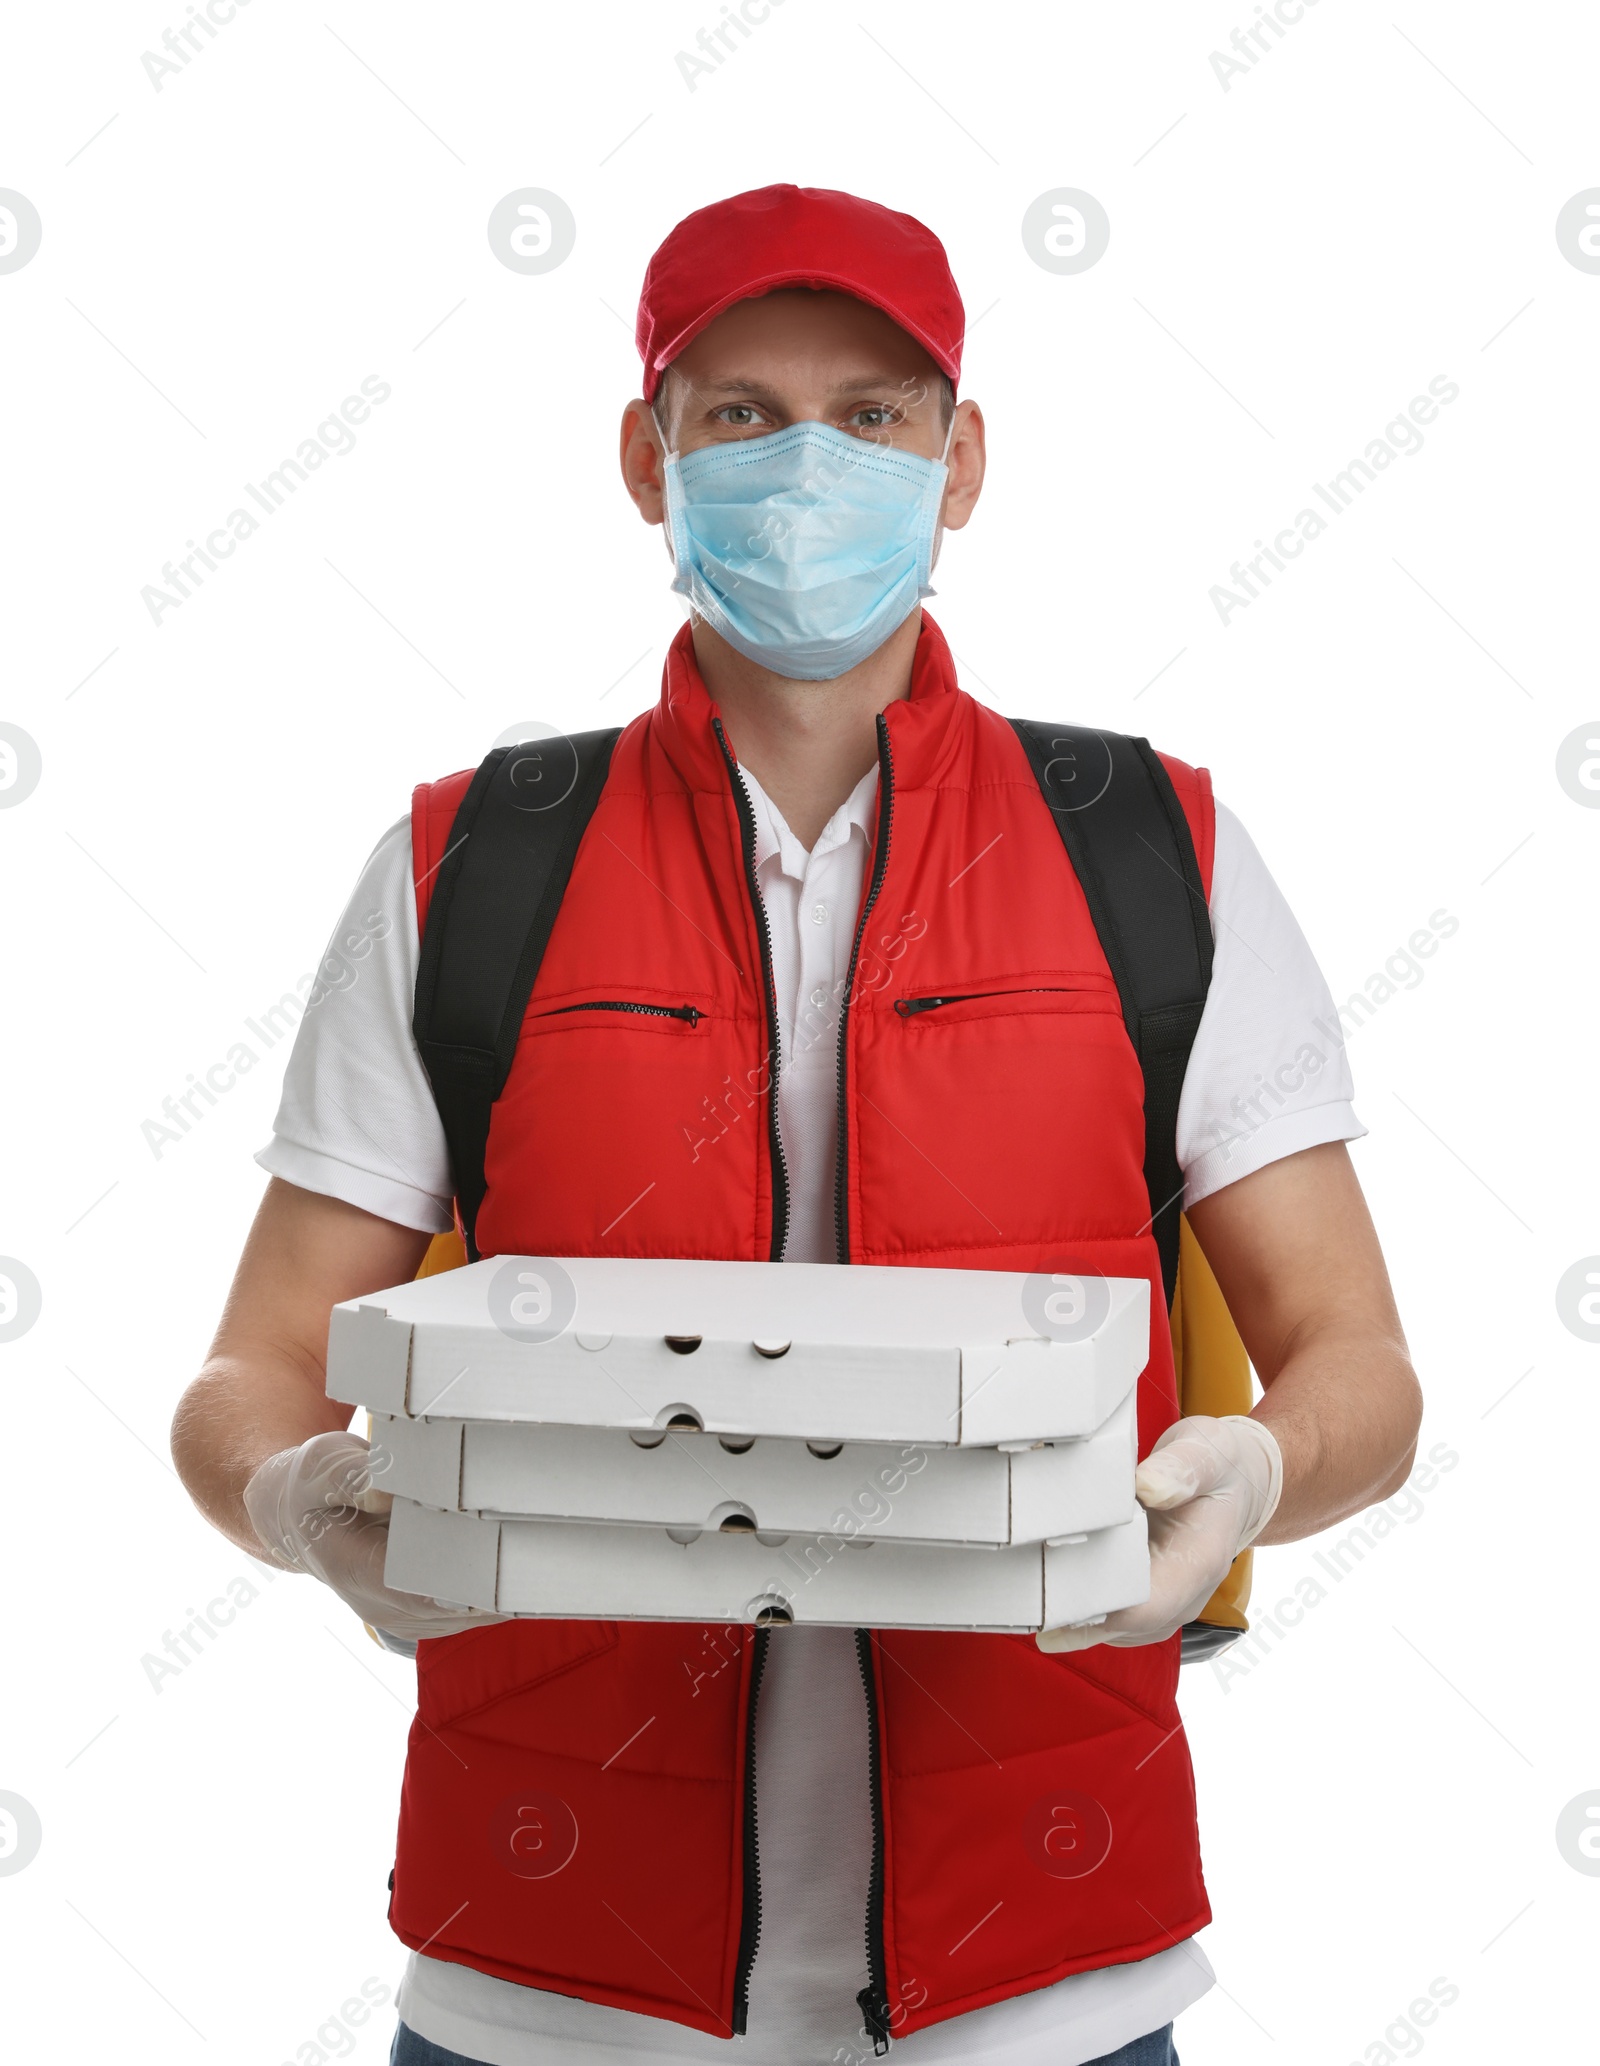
<point>905,1006</point>
<point>874,2019</point>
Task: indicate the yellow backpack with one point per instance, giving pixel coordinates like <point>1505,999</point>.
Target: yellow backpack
<point>1213,1373</point>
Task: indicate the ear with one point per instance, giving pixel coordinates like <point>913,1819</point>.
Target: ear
<point>641,457</point>
<point>966,460</point>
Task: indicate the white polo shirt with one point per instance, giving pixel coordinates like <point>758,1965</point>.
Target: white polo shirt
<point>1267,1077</point>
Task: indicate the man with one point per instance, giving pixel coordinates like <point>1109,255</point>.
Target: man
<point>814,1841</point>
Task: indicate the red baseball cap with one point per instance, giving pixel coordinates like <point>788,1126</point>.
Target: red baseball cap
<point>788,236</point>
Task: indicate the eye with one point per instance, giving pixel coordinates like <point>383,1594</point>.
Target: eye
<point>874,416</point>
<point>740,416</point>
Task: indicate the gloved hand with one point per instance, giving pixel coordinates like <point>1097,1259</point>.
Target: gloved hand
<point>316,1509</point>
<point>1209,1487</point>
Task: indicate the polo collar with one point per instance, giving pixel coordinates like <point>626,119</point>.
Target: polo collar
<point>775,841</point>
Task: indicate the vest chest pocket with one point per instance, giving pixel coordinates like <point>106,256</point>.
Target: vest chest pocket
<point>629,1124</point>
<point>1001,1110</point>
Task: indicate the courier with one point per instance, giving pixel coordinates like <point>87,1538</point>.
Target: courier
<point>791,1205</point>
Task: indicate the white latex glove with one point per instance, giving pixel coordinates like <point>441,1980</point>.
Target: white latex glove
<point>1210,1487</point>
<point>315,1509</point>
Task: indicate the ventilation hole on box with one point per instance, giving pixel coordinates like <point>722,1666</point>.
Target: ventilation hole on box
<point>688,1420</point>
<point>825,1452</point>
<point>683,1344</point>
<point>771,1612</point>
<point>643,1440</point>
<point>737,1445</point>
<point>770,1348</point>
<point>738,1524</point>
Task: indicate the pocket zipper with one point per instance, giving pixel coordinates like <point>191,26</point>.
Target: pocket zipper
<point>691,1014</point>
<point>908,1006</point>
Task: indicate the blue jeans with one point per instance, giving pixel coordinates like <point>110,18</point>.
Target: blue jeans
<point>1154,2050</point>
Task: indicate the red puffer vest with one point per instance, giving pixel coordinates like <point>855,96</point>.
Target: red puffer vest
<point>1034,1815</point>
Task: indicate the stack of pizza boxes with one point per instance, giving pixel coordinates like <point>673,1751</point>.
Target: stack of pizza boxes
<point>756,1442</point>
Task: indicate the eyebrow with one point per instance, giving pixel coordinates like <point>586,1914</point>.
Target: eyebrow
<point>853,385</point>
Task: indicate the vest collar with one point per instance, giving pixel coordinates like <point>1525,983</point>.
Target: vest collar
<point>921,723</point>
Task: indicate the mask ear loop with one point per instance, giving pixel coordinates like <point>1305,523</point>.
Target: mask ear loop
<point>668,452</point>
<point>944,461</point>
<point>671,451</point>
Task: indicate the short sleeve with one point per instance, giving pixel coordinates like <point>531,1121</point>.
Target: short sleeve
<point>357,1119</point>
<point>1268,1075</point>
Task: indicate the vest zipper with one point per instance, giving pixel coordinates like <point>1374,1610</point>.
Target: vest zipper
<point>780,1166</point>
<point>688,1012</point>
<point>873,2000</point>
<point>880,860</point>
<point>750,1920</point>
<point>750,1917</point>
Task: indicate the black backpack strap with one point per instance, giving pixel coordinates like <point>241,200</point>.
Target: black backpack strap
<point>1128,841</point>
<point>505,870</point>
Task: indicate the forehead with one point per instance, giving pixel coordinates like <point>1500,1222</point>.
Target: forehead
<point>800,335</point>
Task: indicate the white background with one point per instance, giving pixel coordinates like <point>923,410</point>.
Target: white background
<point>1372,205</point>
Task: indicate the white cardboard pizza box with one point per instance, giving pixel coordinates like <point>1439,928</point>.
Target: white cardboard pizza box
<point>897,1492</point>
<point>571,1570</point>
<point>819,1351</point>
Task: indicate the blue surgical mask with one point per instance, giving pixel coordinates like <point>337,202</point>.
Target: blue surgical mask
<point>804,548</point>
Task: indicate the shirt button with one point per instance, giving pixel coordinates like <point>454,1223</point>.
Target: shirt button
<point>819,997</point>
<point>819,914</point>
